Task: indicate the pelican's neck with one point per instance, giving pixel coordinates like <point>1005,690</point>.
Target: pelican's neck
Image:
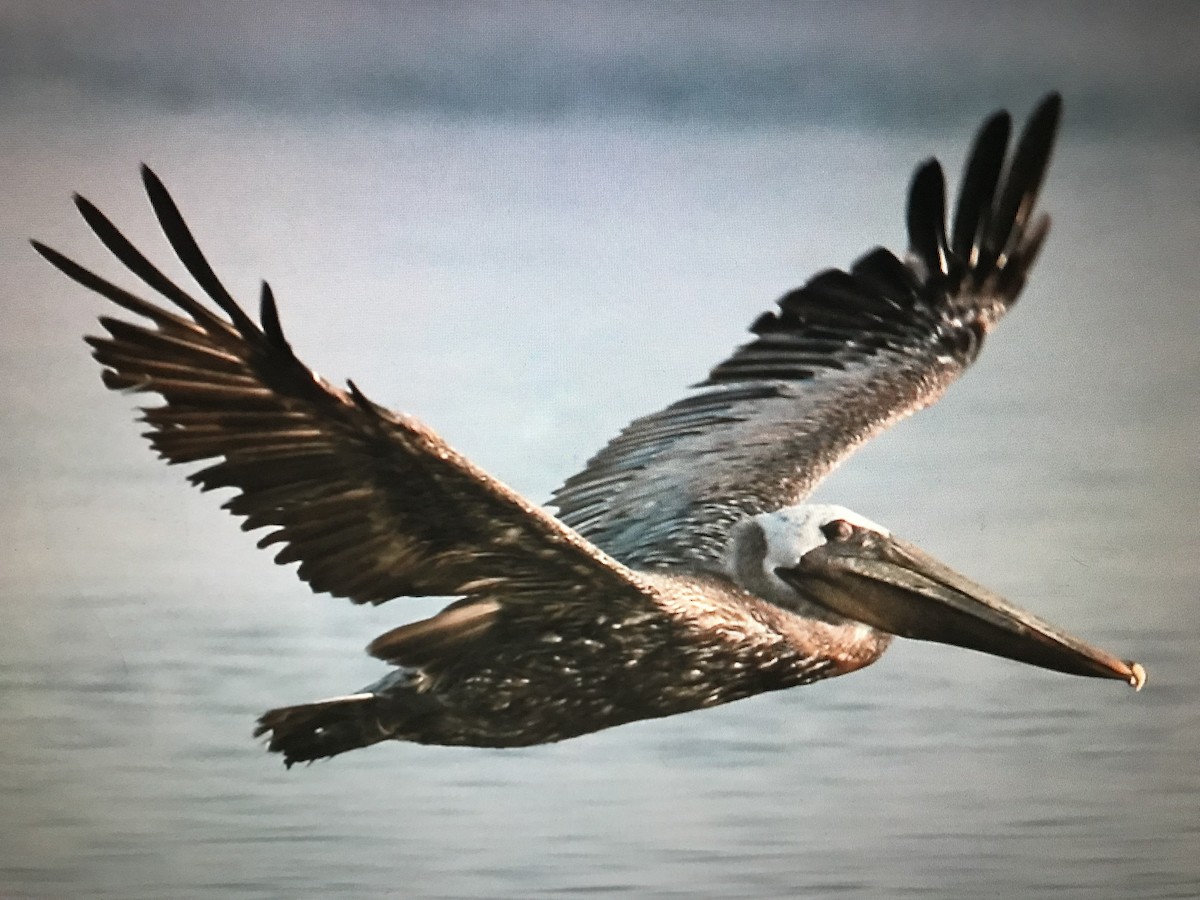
<point>718,610</point>
<point>847,645</point>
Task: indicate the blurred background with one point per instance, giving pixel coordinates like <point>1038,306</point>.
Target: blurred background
<point>526,224</point>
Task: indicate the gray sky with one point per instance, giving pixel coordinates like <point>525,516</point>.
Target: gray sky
<point>753,63</point>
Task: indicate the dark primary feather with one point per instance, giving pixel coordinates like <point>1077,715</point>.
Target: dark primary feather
<point>373,505</point>
<point>843,357</point>
<point>973,212</point>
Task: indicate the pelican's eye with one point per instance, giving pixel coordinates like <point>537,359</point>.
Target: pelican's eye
<point>838,530</point>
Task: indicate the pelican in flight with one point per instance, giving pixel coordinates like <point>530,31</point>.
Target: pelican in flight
<point>683,568</point>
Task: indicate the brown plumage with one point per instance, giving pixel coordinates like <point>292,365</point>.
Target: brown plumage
<point>636,611</point>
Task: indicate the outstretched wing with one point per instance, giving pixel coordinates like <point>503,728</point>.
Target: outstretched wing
<point>373,505</point>
<point>842,358</point>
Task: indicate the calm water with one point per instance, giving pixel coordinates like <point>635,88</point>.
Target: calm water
<point>526,290</point>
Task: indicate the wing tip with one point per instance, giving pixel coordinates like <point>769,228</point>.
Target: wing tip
<point>926,217</point>
<point>44,251</point>
<point>268,314</point>
<point>150,178</point>
<point>996,228</point>
<point>1050,104</point>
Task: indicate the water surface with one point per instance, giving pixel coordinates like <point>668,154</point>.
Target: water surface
<point>526,288</point>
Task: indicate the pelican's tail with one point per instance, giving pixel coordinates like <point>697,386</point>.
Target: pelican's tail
<point>325,728</point>
<point>395,707</point>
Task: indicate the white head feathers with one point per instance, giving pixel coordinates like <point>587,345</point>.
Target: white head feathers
<point>779,539</point>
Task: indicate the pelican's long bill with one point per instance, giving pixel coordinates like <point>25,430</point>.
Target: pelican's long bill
<point>896,587</point>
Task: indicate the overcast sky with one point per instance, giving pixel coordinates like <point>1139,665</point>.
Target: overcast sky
<point>734,62</point>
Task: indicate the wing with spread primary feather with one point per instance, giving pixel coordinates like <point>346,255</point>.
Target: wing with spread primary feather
<point>373,505</point>
<point>842,358</point>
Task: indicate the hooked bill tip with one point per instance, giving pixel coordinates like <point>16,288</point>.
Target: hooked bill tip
<point>1137,675</point>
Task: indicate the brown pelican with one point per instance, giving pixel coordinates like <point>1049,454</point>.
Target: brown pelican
<point>683,569</point>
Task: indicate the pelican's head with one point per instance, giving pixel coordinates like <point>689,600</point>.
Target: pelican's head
<point>826,561</point>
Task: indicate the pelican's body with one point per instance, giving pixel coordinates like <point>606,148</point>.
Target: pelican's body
<point>551,678</point>
<point>557,674</point>
<point>684,568</point>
